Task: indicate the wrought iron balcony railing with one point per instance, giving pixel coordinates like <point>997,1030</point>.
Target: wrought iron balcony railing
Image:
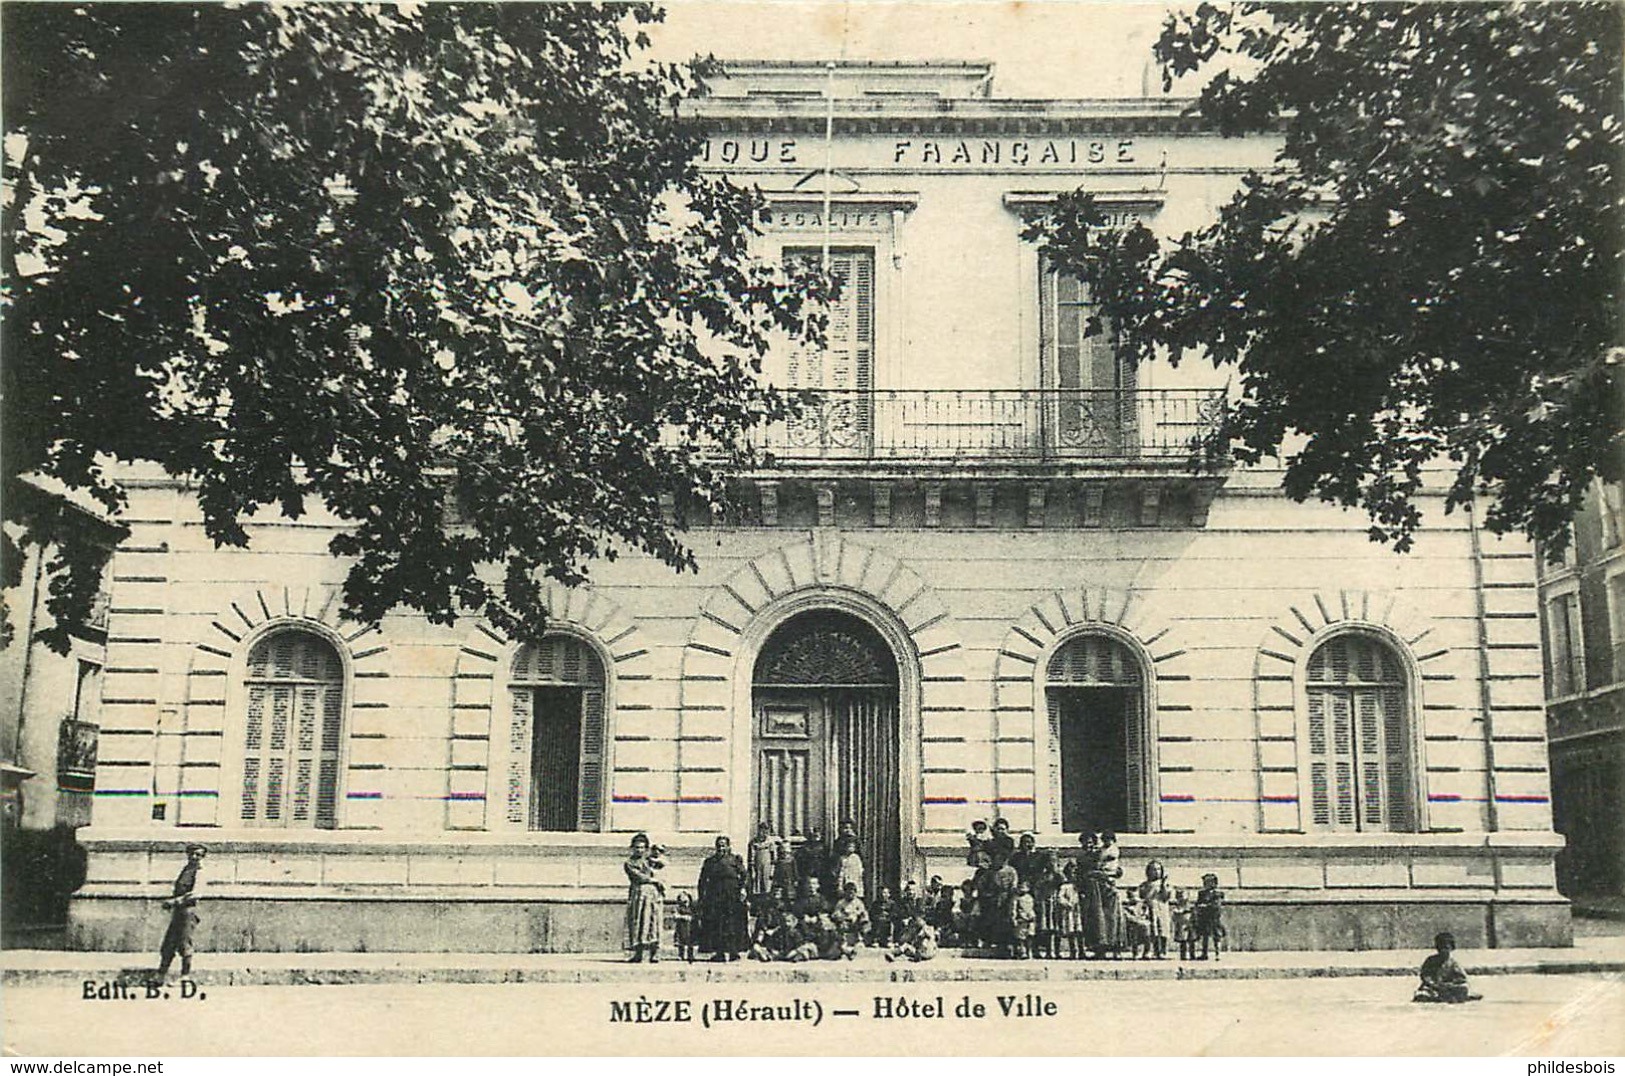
<point>997,424</point>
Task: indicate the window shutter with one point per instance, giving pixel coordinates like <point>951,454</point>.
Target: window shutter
<point>308,697</point>
<point>1341,717</point>
<point>1047,312</point>
<point>327,778</point>
<point>253,746</point>
<point>590,803</point>
<point>862,285</point>
<point>1320,794</point>
<point>276,750</point>
<point>1104,373</point>
<point>1054,759</point>
<point>837,365</point>
<point>1371,760</point>
<point>1397,749</point>
<point>1134,759</point>
<point>519,756</point>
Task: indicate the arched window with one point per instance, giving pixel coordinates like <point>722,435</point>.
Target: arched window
<point>1099,736</point>
<point>556,736</point>
<point>293,730</point>
<point>1361,765</point>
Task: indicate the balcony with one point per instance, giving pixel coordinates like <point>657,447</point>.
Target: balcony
<point>1085,428</point>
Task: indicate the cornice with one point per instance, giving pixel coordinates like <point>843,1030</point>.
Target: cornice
<point>886,115</point>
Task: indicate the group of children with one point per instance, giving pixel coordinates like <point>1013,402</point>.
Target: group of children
<point>806,903</point>
<point>813,927</point>
<point>1024,901</point>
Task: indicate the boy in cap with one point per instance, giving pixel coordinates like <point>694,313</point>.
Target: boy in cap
<point>182,908</point>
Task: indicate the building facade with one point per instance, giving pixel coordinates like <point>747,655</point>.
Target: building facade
<point>983,577</point>
<point>49,700</point>
<point>1582,596</point>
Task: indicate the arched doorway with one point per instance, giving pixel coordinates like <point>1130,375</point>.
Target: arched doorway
<point>1100,741</point>
<point>824,711</point>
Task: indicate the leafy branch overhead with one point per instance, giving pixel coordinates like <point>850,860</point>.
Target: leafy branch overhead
<point>449,270</point>
<point>1429,278</point>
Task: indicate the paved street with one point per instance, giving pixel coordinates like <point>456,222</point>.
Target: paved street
<point>1581,1014</point>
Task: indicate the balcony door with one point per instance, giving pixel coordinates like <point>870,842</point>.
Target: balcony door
<point>1089,400</point>
<point>840,422</point>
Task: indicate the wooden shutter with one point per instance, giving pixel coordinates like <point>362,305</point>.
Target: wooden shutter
<point>1054,703</point>
<point>253,746</point>
<point>1344,814</point>
<point>276,754</point>
<point>1397,752</point>
<point>1372,761</point>
<point>518,792</point>
<point>590,802</point>
<point>1134,761</point>
<point>1320,787</point>
<point>861,283</point>
<point>327,780</point>
<point>308,700</point>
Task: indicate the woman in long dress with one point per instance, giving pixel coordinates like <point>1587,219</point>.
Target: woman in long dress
<point>1097,896</point>
<point>1108,871</point>
<point>645,897</point>
<point>723,928</point>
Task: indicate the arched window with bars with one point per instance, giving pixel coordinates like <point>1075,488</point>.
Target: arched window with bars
<point>1360,755</point>
<point>1100,771</point>
<point>557,736</point>
<point>293,731</point>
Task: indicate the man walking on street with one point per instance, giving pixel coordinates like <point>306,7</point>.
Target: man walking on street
<point>182,907</point>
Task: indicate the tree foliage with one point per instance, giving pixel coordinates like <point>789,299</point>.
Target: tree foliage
<point>1431,276</point>
<point>449,270</point>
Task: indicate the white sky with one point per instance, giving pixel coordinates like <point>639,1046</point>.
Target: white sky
<point>1040,48</point>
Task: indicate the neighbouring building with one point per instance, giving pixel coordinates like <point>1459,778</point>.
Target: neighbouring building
<point>983,578</point>
<point>1582,596</point>
<point>48,738</point>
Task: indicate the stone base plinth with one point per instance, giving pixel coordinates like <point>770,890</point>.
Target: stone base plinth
<point>358,924</point>
<point>565,925</point>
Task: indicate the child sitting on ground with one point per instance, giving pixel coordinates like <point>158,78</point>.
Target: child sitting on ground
<point>1442,978</point>
<point>851,919</point>
<point>919,942</point>
<point>880,918</point>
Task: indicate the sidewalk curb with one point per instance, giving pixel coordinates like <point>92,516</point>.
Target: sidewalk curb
<point>744,973</point>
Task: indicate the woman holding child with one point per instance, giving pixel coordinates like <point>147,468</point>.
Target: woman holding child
<point>1099,871</point>
<point>644,898</point>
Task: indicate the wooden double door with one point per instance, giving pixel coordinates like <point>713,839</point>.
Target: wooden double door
<point>828,754</point>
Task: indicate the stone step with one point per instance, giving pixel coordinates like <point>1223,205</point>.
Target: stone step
<point>58,968</point>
